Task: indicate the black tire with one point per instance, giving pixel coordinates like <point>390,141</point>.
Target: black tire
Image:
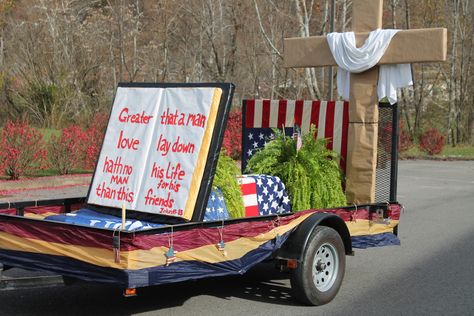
<point>325,247</point>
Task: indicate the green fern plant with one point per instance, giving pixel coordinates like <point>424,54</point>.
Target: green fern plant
<point>311,175</point>
<point>225,179</point>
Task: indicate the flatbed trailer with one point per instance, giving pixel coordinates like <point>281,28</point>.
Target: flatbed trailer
<point>311,244</point>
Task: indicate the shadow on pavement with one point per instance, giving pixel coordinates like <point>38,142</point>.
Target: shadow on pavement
<point>264,283</point>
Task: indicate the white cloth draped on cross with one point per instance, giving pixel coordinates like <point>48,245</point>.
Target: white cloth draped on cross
<point>352,59</point>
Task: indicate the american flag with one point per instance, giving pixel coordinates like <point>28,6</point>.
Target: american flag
<point>216,208</point>
<point>331,118</point>
<point>263,195</point>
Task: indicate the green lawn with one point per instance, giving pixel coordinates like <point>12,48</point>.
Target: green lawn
<point>460,152</point>
<point>48,133</point>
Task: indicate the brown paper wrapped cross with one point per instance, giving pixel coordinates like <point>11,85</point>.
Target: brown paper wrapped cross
<point>407,46</point>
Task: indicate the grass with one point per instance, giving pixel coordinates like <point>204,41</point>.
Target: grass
<point>48,133</point>
<point>461,151</point>
<point>458,152</point>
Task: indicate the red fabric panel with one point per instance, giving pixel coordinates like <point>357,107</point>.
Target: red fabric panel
<point>394,211</point>
<point>248,188</point>
<point>251,211</point>
<point>345,131</point>
<point>8,211</point>
<point>281,113</point>
<point>329,128</point>
<point>57,232</point>
<point>44,209</point>
<point>298,112</point>
<point>249,113</point>
<point>315,114</point>
<point>266,113</point>
<point>58,209</point>
<point>198,237</point>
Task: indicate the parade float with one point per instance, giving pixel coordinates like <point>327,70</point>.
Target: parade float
<point>152,216</point>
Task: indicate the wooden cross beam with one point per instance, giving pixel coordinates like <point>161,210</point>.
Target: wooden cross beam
<point>407,46</point>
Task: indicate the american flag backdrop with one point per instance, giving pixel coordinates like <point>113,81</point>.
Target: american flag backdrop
<point>331,119</point>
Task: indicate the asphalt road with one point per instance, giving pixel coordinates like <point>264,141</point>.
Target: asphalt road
<point>431,273</point>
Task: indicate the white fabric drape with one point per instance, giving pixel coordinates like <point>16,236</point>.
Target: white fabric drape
<point>352,59</point>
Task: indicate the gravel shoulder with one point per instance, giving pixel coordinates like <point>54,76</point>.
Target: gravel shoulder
<point>44,188</point>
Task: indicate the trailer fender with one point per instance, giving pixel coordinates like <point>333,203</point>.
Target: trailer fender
<point>297,241</point>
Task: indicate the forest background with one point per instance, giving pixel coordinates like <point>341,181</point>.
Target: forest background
<point>61,60</point>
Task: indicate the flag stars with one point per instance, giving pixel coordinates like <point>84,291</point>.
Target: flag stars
<point>254,139</point>
<point>280,194</point>
<point>274,205</point>
<point>286,200</point>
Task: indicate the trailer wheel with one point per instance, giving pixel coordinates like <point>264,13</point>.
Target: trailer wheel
<point>318,277</point>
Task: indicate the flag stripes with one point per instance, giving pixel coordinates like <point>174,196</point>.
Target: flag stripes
<point>249,194</point>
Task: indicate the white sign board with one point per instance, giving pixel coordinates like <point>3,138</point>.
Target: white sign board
<point>155,149</point>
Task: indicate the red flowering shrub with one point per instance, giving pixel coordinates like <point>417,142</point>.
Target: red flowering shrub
<point>432,141</point>
<point>95,135</point>
<point>78,148</point>
<point>22,149</point>
<point>232,142</point>
<point>67,151</point>
<point>99,121</point>
<point>93,144</point>
<point>405,141</point>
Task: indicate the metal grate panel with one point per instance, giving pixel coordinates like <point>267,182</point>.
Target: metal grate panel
<point>387,154</point>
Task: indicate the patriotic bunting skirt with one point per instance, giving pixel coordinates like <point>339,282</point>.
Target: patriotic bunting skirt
<point>165,255</point>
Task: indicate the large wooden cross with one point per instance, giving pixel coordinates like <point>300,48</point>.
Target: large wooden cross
<point>407,46</point>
